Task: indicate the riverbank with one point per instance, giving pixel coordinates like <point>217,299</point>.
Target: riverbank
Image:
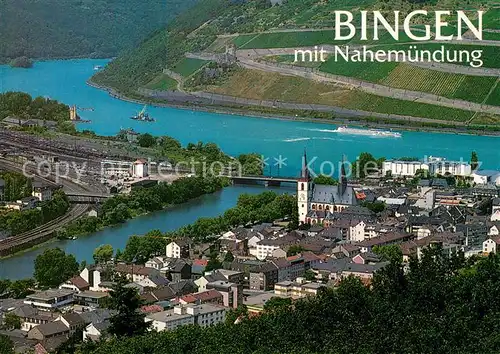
<point>251,111</point>
<point>171,219</point>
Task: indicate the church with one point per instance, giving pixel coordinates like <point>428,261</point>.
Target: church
<point>317,203</point>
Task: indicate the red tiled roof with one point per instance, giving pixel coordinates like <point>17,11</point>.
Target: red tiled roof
<point>151,309</point>
<point>203,296</point>
<point>200,262</point>
<point>79,282</point>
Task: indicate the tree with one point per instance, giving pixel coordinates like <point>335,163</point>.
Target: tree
<point>376,206</point>
<point>6,345</point>
<point>19,289</point>
<point>323,179</point>
<point>53,267</point>
<point>391,253</point>
<point>294,249</point>
<point>213,262</point>
<point>228,257</point>
<point>128,321</point>
<point>474,161</point>
<point>146,140</point>
<point>233,314</point>
<point>278,304</point>
<point>310,275</point>
<point>103,253</point>
<point>4,286</point>
<point>366,164</point>
<point>12,321</point>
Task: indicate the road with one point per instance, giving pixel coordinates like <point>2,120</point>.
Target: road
<point>248,59</point>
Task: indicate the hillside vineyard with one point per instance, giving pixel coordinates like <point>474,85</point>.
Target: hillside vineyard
<point>344,19</point>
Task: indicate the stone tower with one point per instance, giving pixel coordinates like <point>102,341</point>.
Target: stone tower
<point>303,190</point>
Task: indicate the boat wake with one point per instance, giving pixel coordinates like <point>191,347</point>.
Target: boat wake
<point>291,140</point>
<point>365,132</point>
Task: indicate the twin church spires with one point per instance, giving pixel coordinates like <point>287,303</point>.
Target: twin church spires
<point>305,174</point>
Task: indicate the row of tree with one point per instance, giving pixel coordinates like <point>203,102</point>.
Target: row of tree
<point>16,221</point>
<point>264,207</point>
<point>121,207</point>
<point>16,186</point>
<point>22,105</point>
<point>440,304</point>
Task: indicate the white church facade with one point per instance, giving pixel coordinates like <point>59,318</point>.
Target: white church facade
<point>317,203</point>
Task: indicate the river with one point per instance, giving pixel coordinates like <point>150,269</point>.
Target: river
<point>211,205</point>
<point>66,81</point>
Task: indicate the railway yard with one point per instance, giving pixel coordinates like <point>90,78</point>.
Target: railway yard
<point>42,157</point>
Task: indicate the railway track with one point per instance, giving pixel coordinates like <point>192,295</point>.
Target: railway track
<point>46,231</point>
<point>52,147</point>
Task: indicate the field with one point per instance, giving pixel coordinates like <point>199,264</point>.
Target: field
<point>404,76</point>
<point>188,66</point>
<point>464,87</point>
<point>162,83</point>
<point>309,38</point>
<point>373,72</point>
<point>291,39</point>
<point>491,36</point>
<point>490,54</point>
<point>494,97</point>
<point>262,85</point>
<point>243,39</point>
<point>491,19</point>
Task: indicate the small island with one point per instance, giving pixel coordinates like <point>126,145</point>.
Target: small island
<point>21,62</point>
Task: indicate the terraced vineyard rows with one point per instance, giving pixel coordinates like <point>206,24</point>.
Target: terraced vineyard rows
<point>491,19</point>
<point>405,76</point>
<point>468,88</point>
<point>261,85</point>
<point>187,66</point>
<point>307,38</point>
<point>494,97</point>
<point>490,54</point>
<point>162,82</point>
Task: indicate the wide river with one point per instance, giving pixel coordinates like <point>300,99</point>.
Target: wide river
<point>66,81</point>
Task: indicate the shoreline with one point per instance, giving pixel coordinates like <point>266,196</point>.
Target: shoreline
<point>102,228</point>
<point>220,109</point>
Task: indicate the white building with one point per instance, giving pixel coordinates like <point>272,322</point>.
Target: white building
<point>50,299</point>
<point>41,191</point>
<point>116,168</point>
<point>490,245</point>
<point>140,168</point>
<point>434,165</point>
<point>403,168</point>
<point>441,166</point>
<point>92,275</point>
<point>486,177</point>
<point>204,315</point>
<point>494,230</point>
<point>178,249</point>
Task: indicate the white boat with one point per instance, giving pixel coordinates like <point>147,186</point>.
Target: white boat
<point>97,67</point>
<point>368,132</point>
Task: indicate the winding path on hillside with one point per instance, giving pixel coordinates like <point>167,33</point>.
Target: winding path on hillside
<point>249,58</point>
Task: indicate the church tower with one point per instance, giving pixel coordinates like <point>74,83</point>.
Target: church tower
<point>304,186</point>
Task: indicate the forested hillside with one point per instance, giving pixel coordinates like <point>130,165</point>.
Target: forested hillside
<point>71,28</point>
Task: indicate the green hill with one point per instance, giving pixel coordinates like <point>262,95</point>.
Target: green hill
<point>73,28</point>
<point>211,25</point>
